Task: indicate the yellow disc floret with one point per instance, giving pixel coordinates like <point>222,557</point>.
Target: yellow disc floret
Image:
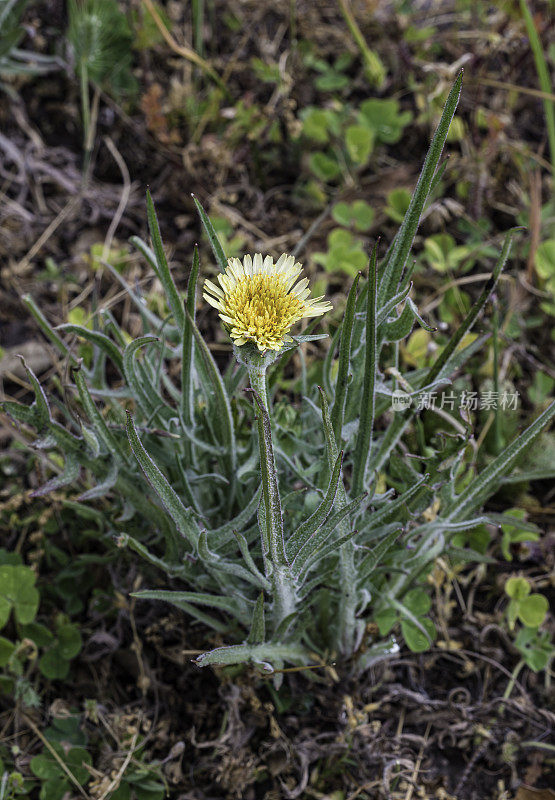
<point>259,301</point>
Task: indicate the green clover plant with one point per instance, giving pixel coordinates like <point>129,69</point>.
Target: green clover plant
<point>282,532</point>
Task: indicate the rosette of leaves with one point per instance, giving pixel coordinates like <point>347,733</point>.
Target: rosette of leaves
<point>188,490</point>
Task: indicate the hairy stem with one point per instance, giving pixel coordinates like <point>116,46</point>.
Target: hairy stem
<point>272,536</point>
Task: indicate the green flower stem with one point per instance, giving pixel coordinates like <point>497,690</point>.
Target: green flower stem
<point>272,534</point>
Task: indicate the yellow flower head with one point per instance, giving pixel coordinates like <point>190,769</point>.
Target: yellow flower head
<point>259,301</point>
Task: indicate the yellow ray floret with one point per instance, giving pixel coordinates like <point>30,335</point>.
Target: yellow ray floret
<point>259,301</point>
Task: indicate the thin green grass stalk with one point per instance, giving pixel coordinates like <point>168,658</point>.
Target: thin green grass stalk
<point>197,8</point>
<point>373,66</point>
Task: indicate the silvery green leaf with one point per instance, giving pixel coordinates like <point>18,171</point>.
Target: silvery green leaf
<point>182,517</point>
<point>385,310</point>
<point>183,600</point>
<point>174,570</point>
<point>19,412</point>
<point>96,419</point>
<point>444,358</point>
<point>47,328</point>
<point>102,488</point>
<point>257,633</point>
<point>340,394</point>
<point>40,404</point>
<point>331,547</point>
<point>224,418</point>
<point>91,440</point>
<point>405,237</point>
<point>163,271</point>
<point>245,552</point>
<point>224,533</point>
<point>189,608</point>
<point>489,478</point>
<point>399,328</point>
<point>215,243</point>
<point>368,405</point>
<point>378,553</point>
<point>257,653</point>
<point>302,536</point>
<point>382,515</point>
<point>216,564</point>
<point>69,475</point>
<point>270,490</point>
<point>187,348</point>
<point>100,340</point>
<point>315,543</point>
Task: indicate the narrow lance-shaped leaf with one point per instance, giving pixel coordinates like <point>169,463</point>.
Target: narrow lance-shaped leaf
<point>187,360</point>
<point>226,532</point>
<point>182,518</point>
<point>164,273</point>
<point>219,566</point>
<point>68,476</point>
<point>40,405</point>
<point>136,299</point>
<point>257,633</point>
<point>314,545</point>
<point>175,570</point>
<point>343,541</point>
<point>338,410</point>
<point>249,561</point>
<point>135,382</point>
<point>472,315</point>
<point>447,358</point>
<point>405,237</point>
<point>224,416</point>
<point>490,477</point>
<point>390,509</point>
<point>47,328</point>
<point>102,488</point>
<point>366,424</point>
<point>407,232</point>
<point>100,340</point>
<point>308,528</point>
<point>215,243</point>
<point>186,601</point>
<point>96,419</point>
<point>399,328</point>
<point>326,550</point>
<point>328,360</point>
<point>259,653</point>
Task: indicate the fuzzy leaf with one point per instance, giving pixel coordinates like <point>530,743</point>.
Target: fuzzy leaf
<point>215,243</point>
<point>181,516</point>
<point>308,528</point>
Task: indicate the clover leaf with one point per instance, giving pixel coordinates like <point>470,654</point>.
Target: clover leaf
<point>18,592</point>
